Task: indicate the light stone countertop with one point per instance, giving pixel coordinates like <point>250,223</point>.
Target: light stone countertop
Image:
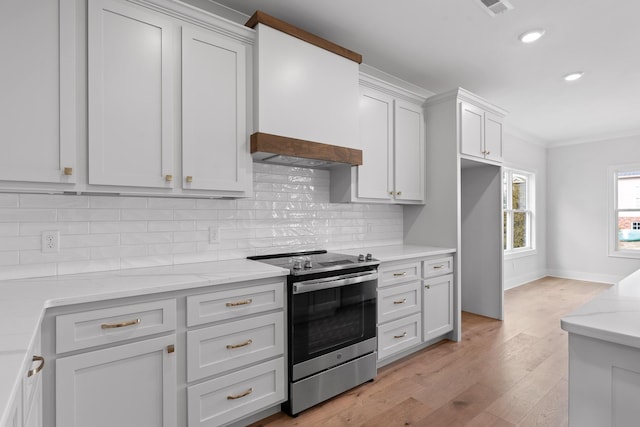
<point>23,303</point>
<point>398,252</point>
<point>613,315</point>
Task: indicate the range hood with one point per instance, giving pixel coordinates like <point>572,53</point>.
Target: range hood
<point>306,96</point>
<point>281,150</point>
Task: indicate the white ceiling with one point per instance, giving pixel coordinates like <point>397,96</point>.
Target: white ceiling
<point>443,44</point>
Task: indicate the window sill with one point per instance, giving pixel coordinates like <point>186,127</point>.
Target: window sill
<point>520,253</point>
<point>624,254</point>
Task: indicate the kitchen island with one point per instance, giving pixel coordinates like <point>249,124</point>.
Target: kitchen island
<point>604,358</point>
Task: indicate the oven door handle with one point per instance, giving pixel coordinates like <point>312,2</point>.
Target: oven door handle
<point>333,282</point>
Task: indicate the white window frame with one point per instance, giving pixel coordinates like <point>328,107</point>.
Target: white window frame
<point>613,210</point>
<point>530,249</point>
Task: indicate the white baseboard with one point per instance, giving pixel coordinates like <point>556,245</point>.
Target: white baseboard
<point>588,277</point>
<point>523,279</point>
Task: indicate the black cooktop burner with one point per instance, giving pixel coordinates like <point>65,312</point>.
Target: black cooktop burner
<point>310,262</point>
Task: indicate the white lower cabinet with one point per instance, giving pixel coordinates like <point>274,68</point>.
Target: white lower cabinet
<point>230,397</point>
<point>415,304</point>
<point>228,346</point>
<point>32,386</point>
<point>195,357</point>
<point>15,411</point>
<point>127,385</point>
<point>399,335</point>
<point>238,354</point>
<point>438,306</point>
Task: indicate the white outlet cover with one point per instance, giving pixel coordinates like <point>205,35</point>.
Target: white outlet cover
<point>51,241</point>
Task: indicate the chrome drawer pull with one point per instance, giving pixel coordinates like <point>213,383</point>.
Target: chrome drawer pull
<point>40,367</point>
<point>400,302</point>
<point>120,325</point>
<point>404,273</point>
<point>437,267</point>
<point>238,396</point>
<point>237,303</point>
<point>404,334</point>
<point>244,344</point>
<point>427,286</point>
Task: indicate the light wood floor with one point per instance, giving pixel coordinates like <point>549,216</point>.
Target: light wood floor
<point>510,373</point>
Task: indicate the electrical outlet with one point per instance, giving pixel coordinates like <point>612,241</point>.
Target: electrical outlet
<point>214,234</point>
<point>51,241</point>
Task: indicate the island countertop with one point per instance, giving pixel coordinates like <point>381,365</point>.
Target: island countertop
<point>613,315</point>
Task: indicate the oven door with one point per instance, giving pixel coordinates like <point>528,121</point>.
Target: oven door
<point>329,314</point>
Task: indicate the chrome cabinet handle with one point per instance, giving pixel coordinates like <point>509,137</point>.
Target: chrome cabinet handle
<point>189,179</point>
<point>437,267</point>
<point>404,273</point>
<point>404,334</point>
<point>40,367</point>
<point>239,395</point>
<point>120,325</point>
<point>168,178</point>
<point>237,303</point>
<point>68,171</point>
<point>243,344</point>
<point>400,302</point>
<point>399,193</point>
<point>427,286</point>
<point>171,349</point>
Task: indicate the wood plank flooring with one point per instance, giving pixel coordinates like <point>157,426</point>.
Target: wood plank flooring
<point>509,373</point>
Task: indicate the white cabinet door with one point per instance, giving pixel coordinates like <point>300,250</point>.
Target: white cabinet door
<point>130,95</point>
<point>409,152</point>
<point>375,176</point>
<point>128,385</point>
<point>493,137</point>
<point>438,306</point>
<point>37,83</point>
<point>215,150</point>
<point>471,130</point>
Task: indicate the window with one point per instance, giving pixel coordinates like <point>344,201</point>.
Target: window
<point>625,208</point>
<point>518,211</point>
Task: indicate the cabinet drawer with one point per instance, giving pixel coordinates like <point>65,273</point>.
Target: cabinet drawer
<point>399,273</point>
<point>398,301</point>
<point>232,345</point>
<point>111,325</point>
<point>223,305</point>
<point>233,396</point>
<point>399,335</point>
<point>438,266</point>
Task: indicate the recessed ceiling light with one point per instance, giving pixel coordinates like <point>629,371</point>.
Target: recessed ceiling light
<point>531,36</point>
<point>571,77</point>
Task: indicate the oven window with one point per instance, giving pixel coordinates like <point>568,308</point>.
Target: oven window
<point>326,320</point>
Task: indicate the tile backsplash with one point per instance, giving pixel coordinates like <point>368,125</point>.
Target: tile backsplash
<point>290,211</point>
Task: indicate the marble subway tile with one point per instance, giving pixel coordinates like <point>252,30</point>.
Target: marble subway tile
<point>88,214</point>
<point>28,215</point>
<point>53,201</point>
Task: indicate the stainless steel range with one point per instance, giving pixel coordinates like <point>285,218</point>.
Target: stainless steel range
<point>331,323</point>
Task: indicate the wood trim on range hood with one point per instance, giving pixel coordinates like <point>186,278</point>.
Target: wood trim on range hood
<point>260,17</point>
<point>279,149</point>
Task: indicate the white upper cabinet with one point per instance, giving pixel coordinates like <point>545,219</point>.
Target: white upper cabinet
<point>142,63</point>
<point>480,133</point>
<point>214,129</point>
<point>37,83</point>
<point>392,140</point>
<point>130,96</point>
<point>375,176</point>
<point>409,149</point>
